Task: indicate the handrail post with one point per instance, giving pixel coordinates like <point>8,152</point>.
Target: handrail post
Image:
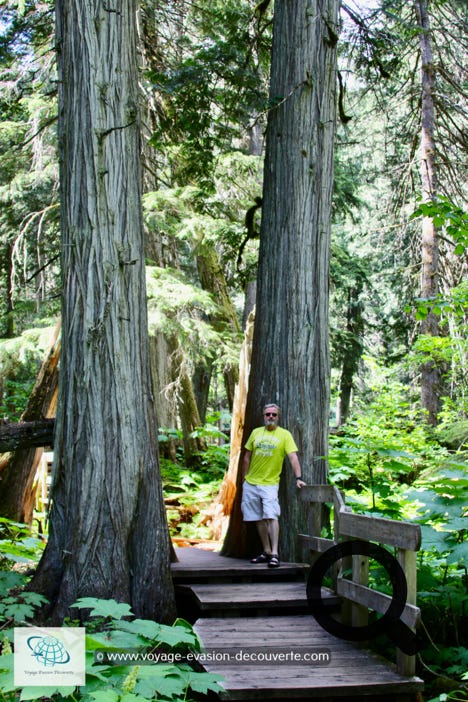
<point>406,664</point>
<point>360,613</point>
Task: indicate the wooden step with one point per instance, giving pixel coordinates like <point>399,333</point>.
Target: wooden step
<point>226,599</point>
<point>292,657</point>
<point>198,566</point>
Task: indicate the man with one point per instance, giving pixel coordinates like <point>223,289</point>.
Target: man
<point>262,463</point>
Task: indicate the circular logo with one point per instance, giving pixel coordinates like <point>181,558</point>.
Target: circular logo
<point>390,623</point>
<point>48,650</point>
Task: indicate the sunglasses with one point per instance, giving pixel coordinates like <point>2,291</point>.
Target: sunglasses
<point>271,414</point>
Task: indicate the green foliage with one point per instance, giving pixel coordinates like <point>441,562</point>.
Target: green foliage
<point>17,544</point>
<point>392,467</point>
<point>18,548</point>
<point>20,360</point>
<point>116,635</point>
<point>449,217</point>
<point>210,88</point>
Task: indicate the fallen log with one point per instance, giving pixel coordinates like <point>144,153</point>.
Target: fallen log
<point>26,434</point>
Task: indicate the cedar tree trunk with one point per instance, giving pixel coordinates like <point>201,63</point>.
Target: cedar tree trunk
<point>108,530</point>
<point>290,357</point>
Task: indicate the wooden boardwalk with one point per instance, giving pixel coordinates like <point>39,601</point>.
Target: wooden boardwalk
<point>259,637</point>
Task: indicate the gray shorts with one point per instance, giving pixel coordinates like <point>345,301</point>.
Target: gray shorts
<point>259,502</point>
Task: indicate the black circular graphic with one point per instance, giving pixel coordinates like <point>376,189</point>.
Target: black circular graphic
<point>390,623</point>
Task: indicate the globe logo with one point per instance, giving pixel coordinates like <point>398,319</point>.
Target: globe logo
<point>48,650</point>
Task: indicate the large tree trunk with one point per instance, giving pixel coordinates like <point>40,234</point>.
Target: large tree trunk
<point>108,530</point>
<point>431,374</point>
<point>17,496</point>
<point>290,357</point>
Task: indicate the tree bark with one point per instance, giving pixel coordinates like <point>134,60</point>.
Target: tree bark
<point>223,505</point>
<point>213,280</point>
<point>17,496</point>
<point>431,374</point>
<point>290,357</point>
<point>353,348</point>
<point>26,434</point>
<point>187,405</point>
<point>108,531</point>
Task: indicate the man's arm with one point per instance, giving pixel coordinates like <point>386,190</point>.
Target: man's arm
<point>296,466</point>
<point>246,463</point>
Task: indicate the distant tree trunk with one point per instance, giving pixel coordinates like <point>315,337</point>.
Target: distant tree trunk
<point>151,108</point>
<point>353,349</point>
<point>431,374</point>
<point>213,280</point>
<point>187,405</point>
<point>201,381</point>
<point>9,331</point>
<point>108,531</point>
<point>17,496</point>
<point>290,357</point>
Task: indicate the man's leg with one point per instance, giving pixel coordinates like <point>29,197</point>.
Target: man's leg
<point>273,534</point>
<point>264,534</point>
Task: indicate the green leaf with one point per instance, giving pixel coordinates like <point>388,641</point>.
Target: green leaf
<point>7,683</point>
<point>143,627</point>
<point>104,608</point>
<point>10,579</point>
<point>105,695</point>
<point>131,697</point>
<point>34,692</point>
<point>459,554</point>
<point>18,611</point>
<point>160,681</point>
<point>204,682</point>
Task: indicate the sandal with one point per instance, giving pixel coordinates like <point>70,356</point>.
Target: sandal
<point>274,561</point>
<point>262,558</point>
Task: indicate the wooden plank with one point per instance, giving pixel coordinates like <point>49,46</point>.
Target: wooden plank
<point>382,531</point>
<point>251,595</point>
<point>197,563</point>
<point>315,543</point>
<point>316,493</point>
<point>350,669</point>
<point>377,601</point>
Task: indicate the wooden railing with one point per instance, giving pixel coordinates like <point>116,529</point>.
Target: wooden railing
<point>358,598</point>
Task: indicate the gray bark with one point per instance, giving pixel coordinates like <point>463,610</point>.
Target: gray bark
<point>108,531</point>
<point>290,357</point>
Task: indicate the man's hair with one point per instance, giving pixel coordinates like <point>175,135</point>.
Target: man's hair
<point>272,404</point>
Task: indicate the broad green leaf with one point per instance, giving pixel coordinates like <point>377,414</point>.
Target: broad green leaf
<point>35,692</point>
<point>105,695</point>
<point>18,611</point>
<point>144,627</point>
<point>204,682</point>
<point>104,608</point>
<point>131,697</point>
<point>459,554</point>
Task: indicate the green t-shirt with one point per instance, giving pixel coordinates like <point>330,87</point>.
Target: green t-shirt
<point>269,449</point>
